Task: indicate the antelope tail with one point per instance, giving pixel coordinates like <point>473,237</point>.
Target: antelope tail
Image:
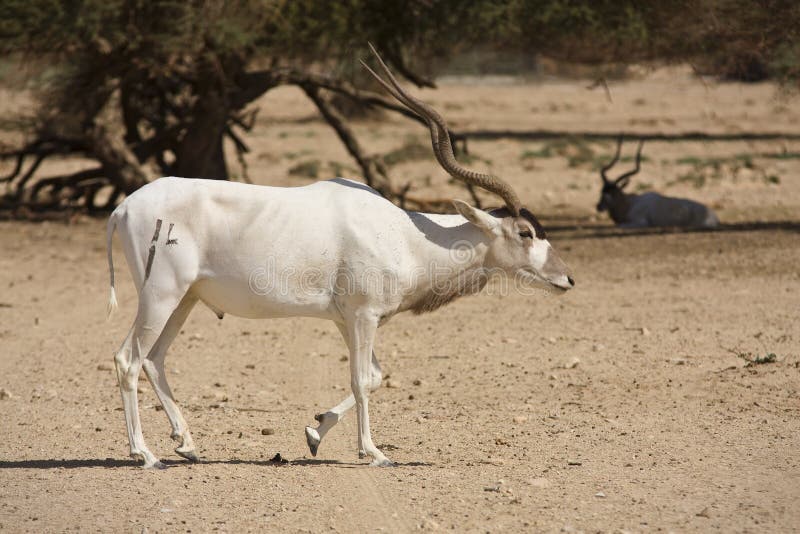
<point>112,299</point>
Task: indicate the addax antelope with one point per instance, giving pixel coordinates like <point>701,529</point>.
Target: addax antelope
<point>648,209</point>
<point>333,250</point>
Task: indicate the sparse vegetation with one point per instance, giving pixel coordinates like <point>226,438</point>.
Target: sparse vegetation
<point>578,153</point>
<point>738,167</point>
<point>411,150</point>
<point>306,169</point>
<point>342,170</point>
<point>755,359</point>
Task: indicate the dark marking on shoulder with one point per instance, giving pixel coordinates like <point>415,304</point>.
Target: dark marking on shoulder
<point>152,252</point>
<point>169,233</point>
<point>158,230</point>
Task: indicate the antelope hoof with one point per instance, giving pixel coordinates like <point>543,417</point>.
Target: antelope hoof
<point>313,439</point>
<point>189,455</point>
<point>158,465</point>
<point>381,463</point>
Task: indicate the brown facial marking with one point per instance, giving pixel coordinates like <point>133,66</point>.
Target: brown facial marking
<point>525,214</point>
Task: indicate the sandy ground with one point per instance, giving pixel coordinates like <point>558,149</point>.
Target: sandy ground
<point>621,406</point>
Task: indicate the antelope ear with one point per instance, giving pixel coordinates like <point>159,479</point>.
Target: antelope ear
<point>490,225</point>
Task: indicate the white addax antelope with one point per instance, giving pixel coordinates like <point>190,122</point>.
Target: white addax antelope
<point>334,250</point>
<point>651,209</point>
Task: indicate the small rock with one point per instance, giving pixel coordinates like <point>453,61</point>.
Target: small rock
<point>343,359</point>
<point>600,495</point>
<point>392,384</point>
<point>103,366</point>
<point>679,361</point>
<point>645,331</point>
<point>572,364</point>
<point>165,510</point>
<point>703,513</point>
<point>429,524</point>
<point>509,340</point>
<point>498,487</point>
<point>597,347</point>
<point>521,419</point>
<point>417,382</point>
<point>540,483</point>
<point>420,419</point>
<point>551,339</point>
<point>574,462</point>
<point>195,337</point>
<point>4,394</point>
<point>250,366</point>
<point>278,459</point>
<point>267,431</point>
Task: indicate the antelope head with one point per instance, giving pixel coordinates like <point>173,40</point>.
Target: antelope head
<point>612,198</point>
<point>517,242</point>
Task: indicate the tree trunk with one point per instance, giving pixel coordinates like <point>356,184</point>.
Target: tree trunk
<point>199,153</point>
<point>117,160</point>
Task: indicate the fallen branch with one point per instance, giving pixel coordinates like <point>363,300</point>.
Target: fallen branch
<point>544,135</point>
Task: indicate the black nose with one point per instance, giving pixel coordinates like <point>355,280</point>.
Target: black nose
<point>571,281</point>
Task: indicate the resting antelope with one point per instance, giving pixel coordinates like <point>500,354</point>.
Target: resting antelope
<point>333,250</point>
<point>629,210</point>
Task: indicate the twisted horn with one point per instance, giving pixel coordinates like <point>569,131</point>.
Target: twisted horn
<point>628,174</point>
<point>440,140</point>
<point>607,167</point>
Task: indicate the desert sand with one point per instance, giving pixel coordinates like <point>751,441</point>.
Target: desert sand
<point>627,405</point>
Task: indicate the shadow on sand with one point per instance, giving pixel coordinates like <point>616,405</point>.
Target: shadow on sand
<point>117,463</point>
<point>595,231</point>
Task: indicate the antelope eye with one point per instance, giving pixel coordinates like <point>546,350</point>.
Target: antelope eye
<point>526,233</point>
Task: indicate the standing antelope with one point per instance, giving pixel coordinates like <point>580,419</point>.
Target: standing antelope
<point>334,250</point>
<point>629,210</point>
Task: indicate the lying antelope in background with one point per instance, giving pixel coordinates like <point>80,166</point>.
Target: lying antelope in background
<point>629,210</point>
<point>313,251</point>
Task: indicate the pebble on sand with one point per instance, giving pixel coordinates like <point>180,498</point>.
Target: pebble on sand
<point>267,431</point>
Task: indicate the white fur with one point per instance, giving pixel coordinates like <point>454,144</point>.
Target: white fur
<point>333,250</point>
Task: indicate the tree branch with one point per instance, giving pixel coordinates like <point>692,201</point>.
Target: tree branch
<point>374,175</point>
